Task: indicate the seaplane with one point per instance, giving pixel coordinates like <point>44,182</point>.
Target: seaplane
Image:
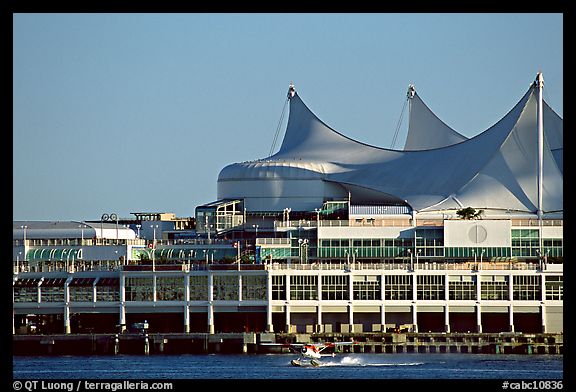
<point>310,354</point>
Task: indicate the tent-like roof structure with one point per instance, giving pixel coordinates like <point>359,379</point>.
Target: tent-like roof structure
<point>438,169</point>
<point>427,131</point>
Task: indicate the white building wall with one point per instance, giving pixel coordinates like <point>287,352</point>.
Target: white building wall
<point>472,233</point>
<point>552,232</point>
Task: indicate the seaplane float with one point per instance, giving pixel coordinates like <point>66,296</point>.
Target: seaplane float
<point>309,354</point>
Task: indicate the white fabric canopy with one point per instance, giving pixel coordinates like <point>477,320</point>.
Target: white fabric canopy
<point>439,168</point>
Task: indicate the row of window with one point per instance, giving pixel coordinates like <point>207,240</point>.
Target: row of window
<point>77,294</point>
<point>305,287</point>
<point>224,288</point>
<point>429,287</point>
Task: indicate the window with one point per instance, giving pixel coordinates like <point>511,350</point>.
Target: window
<point>225,288</point>
<point>462,287</point>
<point>494,288</point>
<point>170,288</point>
<point>139,289</point>
<point>253,287</point>
<point>25,294</point>
<point>81,294</point>
<point>366,287</point>
<point>335,287</point>
<point>279,287</point>
<point>430,287</point>
<point>108,289</point>
<point>554,288</point>
<point>52,294</point>
<point>304,287</point>
<point>525,242</point>
<point>198,288</point>
<point>527,288</point>
<point>398,287</point>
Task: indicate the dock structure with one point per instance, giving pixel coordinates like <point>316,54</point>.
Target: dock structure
<point>331,298</point>
<point>249,342</point>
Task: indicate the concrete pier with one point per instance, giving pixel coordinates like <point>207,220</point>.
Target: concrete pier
<point>248,342</point>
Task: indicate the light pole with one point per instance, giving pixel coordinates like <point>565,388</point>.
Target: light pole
<point>82,234</point>
<point>114,217</point>
<point>65,264</point>
<point>154,248</point>
<point>24,227</point>
<point>411,261</point>
<point>207,226</point>
<point>138,228</point>
<point>417,254</point>
<point>317,216</point>
<point>301,245</point>
<point>475,264</point>
<point>287,213</point>
<point>481,254</point>
<point>255,239</point>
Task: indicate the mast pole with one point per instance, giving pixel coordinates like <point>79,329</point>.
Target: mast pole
<point>540,122</point>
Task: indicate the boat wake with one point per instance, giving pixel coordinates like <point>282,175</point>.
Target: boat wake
<point>356,361</point>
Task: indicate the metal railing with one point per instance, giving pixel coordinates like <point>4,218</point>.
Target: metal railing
<point>115,265</point>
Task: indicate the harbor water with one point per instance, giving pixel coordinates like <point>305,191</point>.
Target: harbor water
<point>414,366</point>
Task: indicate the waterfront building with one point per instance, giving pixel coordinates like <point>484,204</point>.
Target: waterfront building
<point>447,234</point>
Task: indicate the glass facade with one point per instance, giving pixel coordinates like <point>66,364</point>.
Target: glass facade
<point>25,294</point>
<point>553,247</point>
<point>81,293</point>
<point>525,242</point>
<point>364,248</point>
<point>430,287</point>
<point>108,289</point>
<point>198,288</point>
<point>527,288</point>
<point>139,288</point>
<point>430,241</point>
<point>225,288</point>
<point>52,294</point>
<point>366,287</point>
<point>554,288</point>
<point>462,287</point>
<point>470,252</point>
<point>279,287</point>
<point>494,288</point>
<point>335,287</point>
<point>254,287</point>
<point>170,288</point>
<point>304,287</point>
<point>398,287</point>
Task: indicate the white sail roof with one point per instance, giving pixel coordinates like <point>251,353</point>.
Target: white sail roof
<point>426,130</point>
<point>496,169</point>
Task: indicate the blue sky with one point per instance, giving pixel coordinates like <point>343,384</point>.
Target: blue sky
<point>139,112</point>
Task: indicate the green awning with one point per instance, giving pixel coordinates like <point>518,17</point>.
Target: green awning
<point>53,254</point>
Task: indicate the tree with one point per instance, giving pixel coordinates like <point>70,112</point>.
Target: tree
<point>469,213</point>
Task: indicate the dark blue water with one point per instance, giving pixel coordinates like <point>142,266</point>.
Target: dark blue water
<point>277,366</point>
